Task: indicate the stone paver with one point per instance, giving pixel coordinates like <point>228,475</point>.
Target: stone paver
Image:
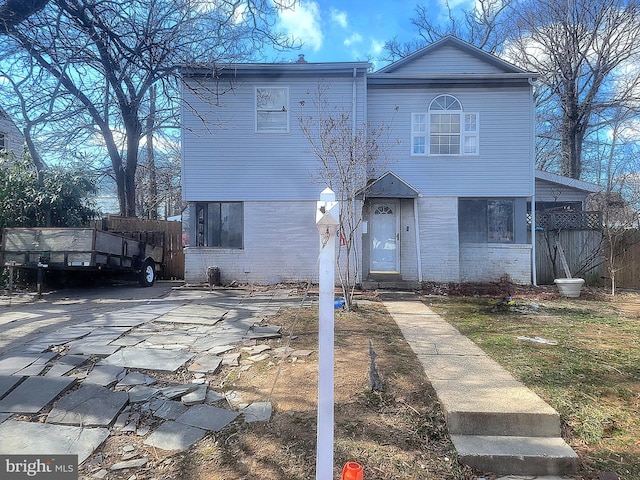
<point>34,394</point>
<point>141,393</point>
<point>157,335</point>
<point>148,359</point>
<point>90,405</point>
<point>105,375</point>
<point>136,378</point>
<point>207,417</point>
<point>32,438</point>
<point>175,391</point>
<point>14,363</point>
<point>258,412</point>
<point>196,396</point>
<point>205,364</point>
<point>170,410</point>
<point>7,382</point>
<point>174,436</point>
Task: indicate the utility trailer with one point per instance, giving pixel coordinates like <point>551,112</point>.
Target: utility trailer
<point>81,250</point>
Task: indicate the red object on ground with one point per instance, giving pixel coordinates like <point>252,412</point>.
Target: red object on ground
<point>352,471</point>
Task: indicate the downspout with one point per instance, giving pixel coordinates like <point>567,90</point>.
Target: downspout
<point>534,273</point>
<point>417,232</point>
<point>354,103</point>
<point>354,112</point>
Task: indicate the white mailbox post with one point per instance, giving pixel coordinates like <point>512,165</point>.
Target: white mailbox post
<point>327,215</point>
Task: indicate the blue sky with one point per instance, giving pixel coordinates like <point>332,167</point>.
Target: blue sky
<point>354,30</point>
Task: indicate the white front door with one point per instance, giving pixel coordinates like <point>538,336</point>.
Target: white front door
<point>385,237</point>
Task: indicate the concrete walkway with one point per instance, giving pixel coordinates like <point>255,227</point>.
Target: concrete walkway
<point>496,423</point>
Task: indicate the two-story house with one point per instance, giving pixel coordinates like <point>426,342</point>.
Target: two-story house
<point>451,205</point>
<point>11,138</point>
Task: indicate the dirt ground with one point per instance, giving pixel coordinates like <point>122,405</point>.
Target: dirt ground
<point>398,433</point>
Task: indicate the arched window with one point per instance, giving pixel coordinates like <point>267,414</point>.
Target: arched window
<point>445,129</point>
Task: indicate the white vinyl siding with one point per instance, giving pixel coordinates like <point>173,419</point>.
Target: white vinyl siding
<point>503,164</point>
<point>447,59</point>
<point>225,159</point>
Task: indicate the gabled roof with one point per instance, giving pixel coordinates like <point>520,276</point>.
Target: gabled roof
<point>389,185</point>
<point>567,182</point>
<point>450,40</point>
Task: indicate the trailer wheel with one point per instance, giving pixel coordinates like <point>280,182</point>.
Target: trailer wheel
<point>148,273</point>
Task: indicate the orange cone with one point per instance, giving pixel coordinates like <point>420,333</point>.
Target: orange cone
<point>352,471</point>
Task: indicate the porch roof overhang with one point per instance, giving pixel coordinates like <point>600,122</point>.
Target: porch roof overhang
<point>388,185</point>
<point>566,182</point>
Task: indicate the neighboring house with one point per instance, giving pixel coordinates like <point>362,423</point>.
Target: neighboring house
<point>11,138</point>
<point>452,205</point>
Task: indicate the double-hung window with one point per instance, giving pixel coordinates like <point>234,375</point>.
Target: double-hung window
<point>219,224</point>
<point>272,109</point>
<point>445,129</point>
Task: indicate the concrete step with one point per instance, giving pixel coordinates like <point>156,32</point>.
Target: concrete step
<point>390,284</point>
<point>506,455</point>
<point>488,406</point>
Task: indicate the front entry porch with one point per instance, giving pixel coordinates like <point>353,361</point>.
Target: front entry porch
<point>389,241</point>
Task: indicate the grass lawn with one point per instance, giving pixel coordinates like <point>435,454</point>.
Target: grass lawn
<point>589,371</point>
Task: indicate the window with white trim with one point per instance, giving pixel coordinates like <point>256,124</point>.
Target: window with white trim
<point>446,129</point>
<point>272,109</point>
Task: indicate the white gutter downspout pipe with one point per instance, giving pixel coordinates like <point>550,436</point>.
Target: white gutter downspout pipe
<point>534,273</point>
<point>417,234</point>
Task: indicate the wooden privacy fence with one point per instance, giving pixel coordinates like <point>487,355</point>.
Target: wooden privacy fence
<point>157,232</point>
<point>580,235</point>
<point>626,243</point>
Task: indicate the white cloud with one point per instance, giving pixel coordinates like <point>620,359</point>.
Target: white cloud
<point>339,17</point>
<point>354,38</point>
<point>302,23</point>
<point>377,46</point>
<point>453,4</point>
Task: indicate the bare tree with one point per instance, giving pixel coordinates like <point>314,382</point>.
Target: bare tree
<point>349,154</point>
<point>107,55</point>
<point>620,200</point>
<point>578,47</point>
<point>12,12</point>
<point>485,26</point>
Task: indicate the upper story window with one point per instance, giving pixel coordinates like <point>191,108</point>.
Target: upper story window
<point>3,141</point>
<point>272,109</point>
<point>445,129</point>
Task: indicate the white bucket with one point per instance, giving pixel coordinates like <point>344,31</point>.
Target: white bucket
<point>569,287</point>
